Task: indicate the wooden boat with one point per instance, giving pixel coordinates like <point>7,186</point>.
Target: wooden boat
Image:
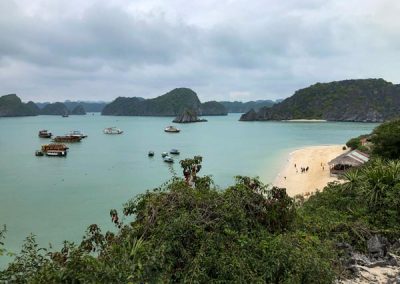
<point>67,139</point>
<point>112,130</point>
<point>172,129</point>
<point>151,154</point>
<point>53,150</point>
<point>44,134</point>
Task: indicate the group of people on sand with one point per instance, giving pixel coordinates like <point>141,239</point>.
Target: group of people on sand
<point>303,169</point>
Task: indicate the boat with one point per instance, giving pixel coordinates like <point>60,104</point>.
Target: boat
<point>67,139</point>
<point>151,154</point>
<point>172,129</point>
<point>53,150</point>
<point>164,154</point>
<point>77,133</point>
<point>65,115</point>
<point>168,159</point>
<point>44,134</point>
<point>174,152</point>
<point>112,130</point>
<point>56,153</point>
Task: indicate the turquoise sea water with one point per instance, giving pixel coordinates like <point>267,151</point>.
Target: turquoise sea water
<point>57,198</point>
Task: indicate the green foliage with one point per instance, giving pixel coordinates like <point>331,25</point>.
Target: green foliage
<point>386,140</point>
<point>354,143</point>
<point>368,202</point>
<point>182,233</point>
<point>348,100</point>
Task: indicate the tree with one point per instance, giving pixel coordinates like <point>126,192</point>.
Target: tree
<point>386,140</point>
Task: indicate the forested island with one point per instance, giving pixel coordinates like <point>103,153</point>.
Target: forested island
<point>172,103</point>
<point>367,100</point>
<point>189,230</point>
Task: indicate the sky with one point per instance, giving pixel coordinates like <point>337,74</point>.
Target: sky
<point>56,50</point>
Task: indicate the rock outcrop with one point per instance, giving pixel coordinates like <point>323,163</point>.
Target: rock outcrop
<point>11,105</point>
<point>369,100</point>
<point>378,266</point>
<point>188,116</point>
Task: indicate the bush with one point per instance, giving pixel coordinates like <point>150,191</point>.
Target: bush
<point>386,139</point>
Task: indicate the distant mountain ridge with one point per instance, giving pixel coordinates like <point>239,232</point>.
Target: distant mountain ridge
<point>172,103</point>
<point>363,100</point>
<point>87,105</point>
<point>241,107</point>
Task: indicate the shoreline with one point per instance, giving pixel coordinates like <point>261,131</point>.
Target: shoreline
<point>317,176</point>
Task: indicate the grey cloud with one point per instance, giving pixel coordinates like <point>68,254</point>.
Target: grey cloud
<point>265,50</point>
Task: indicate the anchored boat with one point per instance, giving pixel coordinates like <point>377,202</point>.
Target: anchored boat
<point>168,159</point>
<point>174,152</point>
<point>44,134</point>
<point>112,130</point>
<point>67,139</point>
<point>77,133</point>
<point>172,129</point>
<point>53,150</point>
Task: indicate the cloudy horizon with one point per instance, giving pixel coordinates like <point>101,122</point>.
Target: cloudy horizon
<point>223,50</point>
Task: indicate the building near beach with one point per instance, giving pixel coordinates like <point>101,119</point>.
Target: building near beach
<point>346,161</point>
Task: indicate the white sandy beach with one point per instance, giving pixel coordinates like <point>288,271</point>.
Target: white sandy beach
<point>317,177</point>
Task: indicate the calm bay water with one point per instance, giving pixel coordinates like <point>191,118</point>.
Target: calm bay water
<point>57,198</point>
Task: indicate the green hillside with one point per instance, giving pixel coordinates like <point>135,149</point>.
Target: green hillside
<point>367,100</point>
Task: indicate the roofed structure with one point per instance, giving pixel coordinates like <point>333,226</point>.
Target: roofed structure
<point>346,161</point>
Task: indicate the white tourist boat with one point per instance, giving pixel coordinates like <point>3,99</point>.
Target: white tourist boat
<point>77,133</point>
<point>112,130</point>
<point>171,129</point>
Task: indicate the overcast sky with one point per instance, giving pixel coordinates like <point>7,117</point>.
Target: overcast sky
<point>52,50</point>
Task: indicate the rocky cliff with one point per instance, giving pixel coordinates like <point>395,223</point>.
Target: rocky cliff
<point>188,116</point>
<point>368,100</point>
<point>11,105</point>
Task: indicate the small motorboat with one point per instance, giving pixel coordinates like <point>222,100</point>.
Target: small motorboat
<point>39,153</point>
<point>112,130</point>
<point>168,159</point>
<point>172,129</point>
<point>164,154</point>
<point>65,115</point>
<point>44,134</point>
<point>77,133</point>
<point>150,154</point>
<point>56,153</point>
<point>174,152</point>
